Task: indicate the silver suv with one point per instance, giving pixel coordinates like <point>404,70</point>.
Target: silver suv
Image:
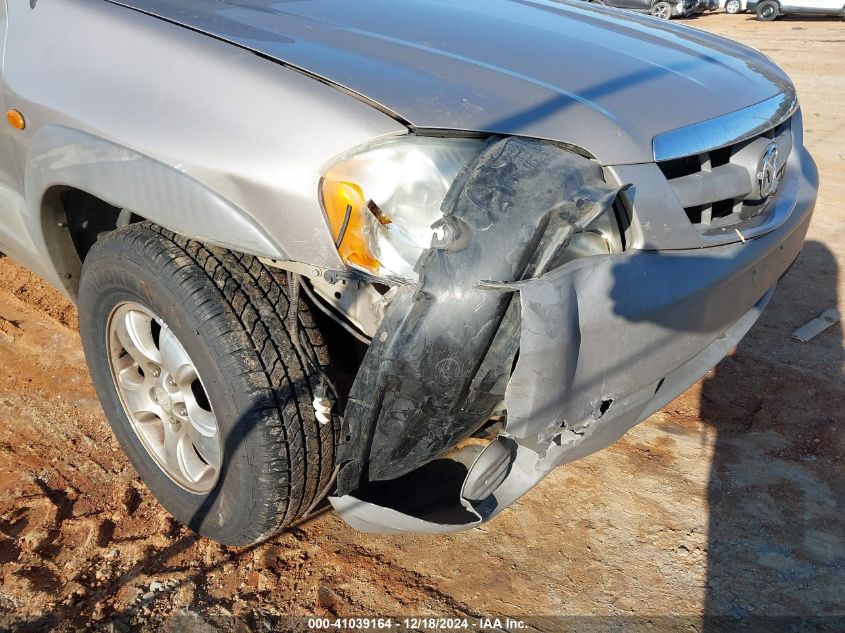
<point>768,10</point>
<point>411,255</point>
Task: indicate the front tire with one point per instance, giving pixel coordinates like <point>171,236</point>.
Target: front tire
<point>171,328</point>
<point>662,10</point>
<point>732,6</point>
<point>767,11</point>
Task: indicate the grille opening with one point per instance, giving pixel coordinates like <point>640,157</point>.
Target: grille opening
<point>715,173</point>
<point>694,213</point>
<point>722,209</point>
<point>681,167</point>
<point>719,157</point>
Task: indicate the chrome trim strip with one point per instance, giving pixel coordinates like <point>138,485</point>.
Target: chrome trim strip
<point>725,130</point>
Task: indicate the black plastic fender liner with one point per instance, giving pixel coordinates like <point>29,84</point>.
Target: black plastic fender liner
<point>508,467</point>
<point>441,359</point>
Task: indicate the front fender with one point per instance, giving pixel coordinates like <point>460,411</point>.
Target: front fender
<point>59,157</point>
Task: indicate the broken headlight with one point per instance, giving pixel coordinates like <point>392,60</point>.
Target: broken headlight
<point>381,200</point>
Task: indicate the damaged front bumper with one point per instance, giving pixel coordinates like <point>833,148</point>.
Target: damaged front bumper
<point>579,352</point>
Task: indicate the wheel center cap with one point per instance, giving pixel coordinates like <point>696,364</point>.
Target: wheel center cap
<point>163,399</point>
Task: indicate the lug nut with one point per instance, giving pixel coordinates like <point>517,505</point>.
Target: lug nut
<point>175,423</point>
<point>171,382</point>
<point>156,372</point>
<point>153,397</point>
<point>181,409</point>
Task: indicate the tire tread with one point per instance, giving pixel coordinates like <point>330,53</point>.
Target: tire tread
<point>246,304</point>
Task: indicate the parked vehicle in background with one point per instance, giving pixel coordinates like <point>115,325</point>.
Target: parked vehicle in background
<point>734,6</point>
<point>663,9</point>
<point>768,10</point>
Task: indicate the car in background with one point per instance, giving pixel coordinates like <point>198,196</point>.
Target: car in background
<point>768,10</point>
<point>663,9</point>
<point>734,6</point>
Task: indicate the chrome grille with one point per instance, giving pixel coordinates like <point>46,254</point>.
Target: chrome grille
<point>722,187</point>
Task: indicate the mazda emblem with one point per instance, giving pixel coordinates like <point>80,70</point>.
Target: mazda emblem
<point>767,175</point>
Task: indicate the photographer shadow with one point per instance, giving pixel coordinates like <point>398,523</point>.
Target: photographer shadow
<point>776,490</point>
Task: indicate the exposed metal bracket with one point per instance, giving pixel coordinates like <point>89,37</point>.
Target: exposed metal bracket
<point>306,270</point>
<point>346,292</point>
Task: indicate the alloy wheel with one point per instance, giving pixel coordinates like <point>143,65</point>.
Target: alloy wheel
<point>164,398</point>
<point>662,10</point>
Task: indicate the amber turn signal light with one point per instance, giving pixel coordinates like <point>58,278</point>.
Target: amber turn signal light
<point>15,119</point>
<point>347,213</point>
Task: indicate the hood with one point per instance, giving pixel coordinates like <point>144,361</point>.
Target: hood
<point>600,79</point>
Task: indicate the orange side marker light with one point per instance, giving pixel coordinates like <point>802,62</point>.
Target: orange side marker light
<point>15,119</point>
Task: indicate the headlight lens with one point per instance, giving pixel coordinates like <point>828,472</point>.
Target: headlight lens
<point>381,201</point>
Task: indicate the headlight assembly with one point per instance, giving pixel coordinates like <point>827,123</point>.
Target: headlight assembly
<point>381,201</point>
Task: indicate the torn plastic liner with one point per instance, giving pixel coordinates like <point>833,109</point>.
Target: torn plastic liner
<point>516,461</point>
<point>604,341</point>
<point>441,359</point>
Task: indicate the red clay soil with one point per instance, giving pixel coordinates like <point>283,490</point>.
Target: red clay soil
<point>729,501</point>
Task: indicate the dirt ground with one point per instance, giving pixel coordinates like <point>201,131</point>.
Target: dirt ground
<point>730,501</point>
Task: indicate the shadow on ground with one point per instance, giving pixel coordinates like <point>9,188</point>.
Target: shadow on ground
<point>776,492</point>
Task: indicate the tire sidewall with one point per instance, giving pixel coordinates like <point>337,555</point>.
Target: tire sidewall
<point>767,18</point>
<point>223,514</point>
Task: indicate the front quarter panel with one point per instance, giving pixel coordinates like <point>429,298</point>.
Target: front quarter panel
<point>235,130</point>
<point>59,157</point>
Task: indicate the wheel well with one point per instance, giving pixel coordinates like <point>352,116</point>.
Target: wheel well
<point>87,217</point>
<point>71,222</point>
